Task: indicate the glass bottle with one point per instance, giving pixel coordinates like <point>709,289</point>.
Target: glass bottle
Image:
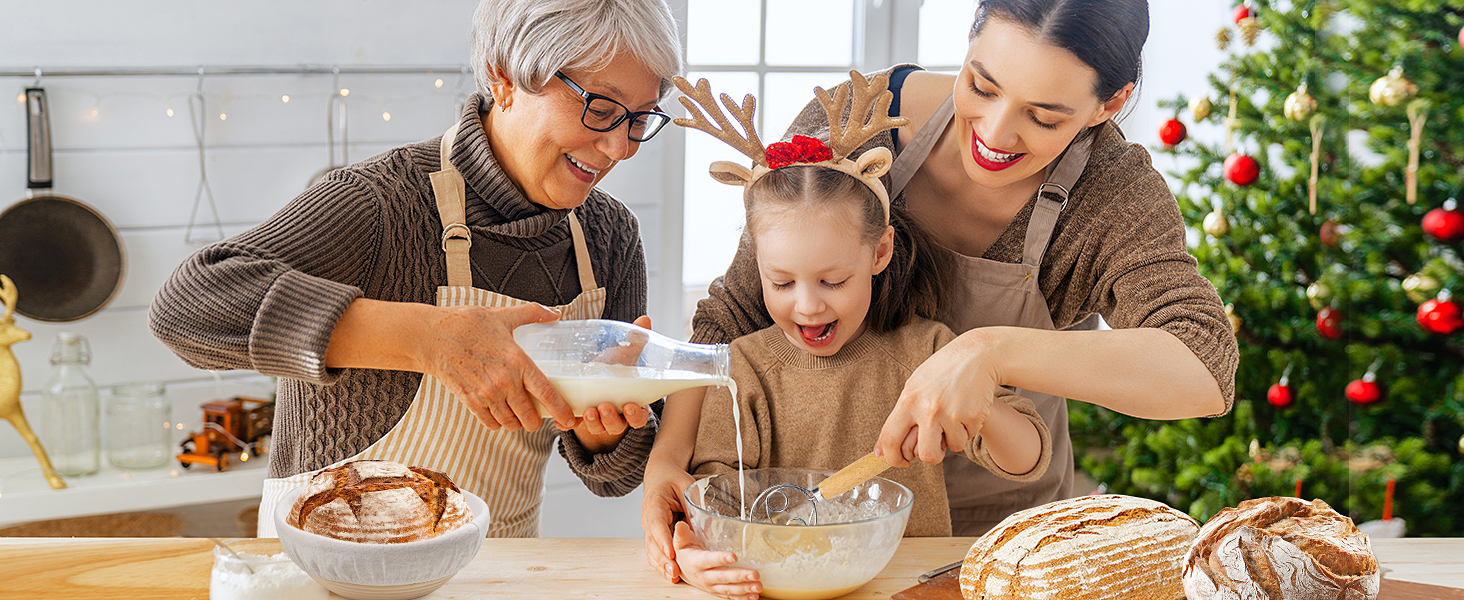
<point>69,429</point>
<point>596,360</point>
<point>138,435</point>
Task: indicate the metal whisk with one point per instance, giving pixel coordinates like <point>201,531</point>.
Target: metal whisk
<point>856,473</point>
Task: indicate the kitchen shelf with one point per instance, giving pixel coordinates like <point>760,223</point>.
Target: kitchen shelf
<point>25,496</point>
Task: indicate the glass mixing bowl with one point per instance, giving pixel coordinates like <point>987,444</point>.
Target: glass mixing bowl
<point>855,536</point>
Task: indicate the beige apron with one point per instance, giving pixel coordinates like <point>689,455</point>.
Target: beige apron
<point>504,468</point>
<point>989,293</point>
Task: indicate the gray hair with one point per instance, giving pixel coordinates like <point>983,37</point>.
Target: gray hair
<point>528,40</point>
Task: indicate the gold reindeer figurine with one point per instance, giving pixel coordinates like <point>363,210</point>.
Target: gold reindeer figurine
<point>10,381</point>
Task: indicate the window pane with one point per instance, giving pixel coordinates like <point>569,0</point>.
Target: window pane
<point>810,32</point>
<point>786,95</point>
<point>944,27</point>
<point>724,32</point>
<point>713,211</point>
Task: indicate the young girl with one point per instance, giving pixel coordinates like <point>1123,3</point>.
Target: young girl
<point>852,287</point>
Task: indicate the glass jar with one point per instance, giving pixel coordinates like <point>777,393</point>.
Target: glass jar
<point>139,434</point>
<point>69,419</point>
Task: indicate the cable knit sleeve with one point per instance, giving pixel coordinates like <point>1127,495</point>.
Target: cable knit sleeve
<point>268,299</point>
<point>1145,277</point>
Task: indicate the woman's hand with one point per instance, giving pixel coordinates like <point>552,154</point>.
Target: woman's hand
<point>470,349</point>
<point>659,505</point>
<point>602,427</point>
<point>474,355</point>
<point>709,571</point>
<point>944,404</point>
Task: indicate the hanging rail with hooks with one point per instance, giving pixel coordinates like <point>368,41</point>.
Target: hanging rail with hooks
<point>46,72</point>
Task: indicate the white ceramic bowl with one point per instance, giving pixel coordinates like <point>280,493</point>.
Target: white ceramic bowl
<point>854,539</point>
<point>382,571</point>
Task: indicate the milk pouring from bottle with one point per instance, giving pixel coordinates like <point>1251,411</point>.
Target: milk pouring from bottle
<point>596,360</point>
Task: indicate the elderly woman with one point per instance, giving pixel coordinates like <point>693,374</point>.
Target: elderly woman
<point>385,296</point>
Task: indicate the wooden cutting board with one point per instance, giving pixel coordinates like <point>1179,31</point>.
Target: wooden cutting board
<point>947,586</point>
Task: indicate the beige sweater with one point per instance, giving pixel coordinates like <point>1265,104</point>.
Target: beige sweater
<point>1118,250</point>
<point>801,410</point>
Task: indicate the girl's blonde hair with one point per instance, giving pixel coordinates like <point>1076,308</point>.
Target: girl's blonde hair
<point>918,277</point>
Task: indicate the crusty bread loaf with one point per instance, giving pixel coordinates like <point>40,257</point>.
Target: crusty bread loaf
<point>1281,548</point>
<point>379,502</point>
<point>1086,548</point>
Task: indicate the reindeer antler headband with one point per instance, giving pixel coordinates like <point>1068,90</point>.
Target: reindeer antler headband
<point>868,115</point>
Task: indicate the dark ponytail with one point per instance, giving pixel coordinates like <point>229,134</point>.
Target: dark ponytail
<point>1107,35</point>
<point>918,277</point>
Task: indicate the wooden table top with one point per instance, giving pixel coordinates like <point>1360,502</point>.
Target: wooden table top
<point>611,568</point>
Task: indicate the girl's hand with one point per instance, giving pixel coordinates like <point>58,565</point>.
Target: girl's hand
<point>944,404</point>
<point>709,571</point>
<point>662,499</point>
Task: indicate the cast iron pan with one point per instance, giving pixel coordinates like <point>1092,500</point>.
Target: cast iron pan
<point>65,258</point>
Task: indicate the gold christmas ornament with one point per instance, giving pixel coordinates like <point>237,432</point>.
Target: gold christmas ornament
<point>1420,288</point>
<point>1299,105</point>
<point>1234,320</point>
<point>1216,223</point>
<point>1320,296</point>
<point>1222,38</point>
<point>1391,89</point>
<point>1200,107</point>
<point>1250,29</point>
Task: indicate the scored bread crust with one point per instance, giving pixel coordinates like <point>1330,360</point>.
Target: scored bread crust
<point>1086,548</point>
<point>1281,547</point>
<point>379,502</point>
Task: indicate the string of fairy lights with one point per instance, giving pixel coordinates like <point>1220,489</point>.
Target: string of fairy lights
<point>456,79</point>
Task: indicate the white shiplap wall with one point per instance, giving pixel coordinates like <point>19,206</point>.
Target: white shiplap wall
<point>117,150</point>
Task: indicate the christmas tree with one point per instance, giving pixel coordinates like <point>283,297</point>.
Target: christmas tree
<point>1326,220</point>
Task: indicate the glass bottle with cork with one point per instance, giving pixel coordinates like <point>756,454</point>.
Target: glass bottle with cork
<point>69,409</point>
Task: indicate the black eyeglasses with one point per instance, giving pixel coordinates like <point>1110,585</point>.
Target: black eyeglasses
<point>603,113</point>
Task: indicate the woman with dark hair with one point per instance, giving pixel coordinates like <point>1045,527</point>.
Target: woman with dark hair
<point>1015,166</point>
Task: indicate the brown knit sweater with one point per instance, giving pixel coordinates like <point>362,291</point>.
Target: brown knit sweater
<point>817,412</point>
<point>268,299</point>
<point>1118,250</point>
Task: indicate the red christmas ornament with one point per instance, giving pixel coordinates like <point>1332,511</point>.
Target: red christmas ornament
<point>1461,36</point>
<point>1440,315</point>
<point>801,150</point>
<point>1445,224</point>
<point>1279,395</point>
<point>1171,133</point>
<point>1365,390</point>
<point>1241,169</point>
<point>1242,12</point>
<point>1330,233</point>
<point>1329,323</point>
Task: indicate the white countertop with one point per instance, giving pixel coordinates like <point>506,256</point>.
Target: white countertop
<point>25,496</point>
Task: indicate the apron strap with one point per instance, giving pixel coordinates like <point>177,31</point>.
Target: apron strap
<point>909,161</point>
<point>1052,197</point>
<point>449,191</point>
<point>581,254</point>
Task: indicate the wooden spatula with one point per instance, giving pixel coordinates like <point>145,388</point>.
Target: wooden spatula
<point>856,473</point>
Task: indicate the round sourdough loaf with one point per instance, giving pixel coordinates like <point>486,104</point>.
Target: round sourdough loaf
<point>1281,548</point>
<point>1085,548</point>
<point>379,502</point>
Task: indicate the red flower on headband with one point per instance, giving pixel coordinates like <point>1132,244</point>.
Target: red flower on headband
<point>801,150</point>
